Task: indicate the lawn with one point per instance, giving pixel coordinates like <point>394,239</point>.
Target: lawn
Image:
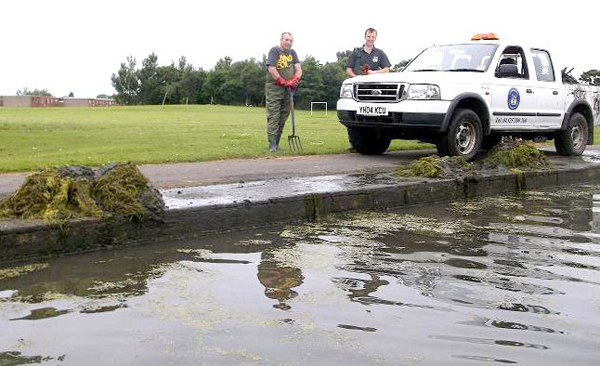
<point>31,139</point>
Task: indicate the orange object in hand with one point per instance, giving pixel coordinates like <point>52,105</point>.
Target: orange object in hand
<point>280,81</point>
<point>292,83</point>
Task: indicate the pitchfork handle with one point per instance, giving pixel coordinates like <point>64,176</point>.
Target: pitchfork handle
<point>293,117</point>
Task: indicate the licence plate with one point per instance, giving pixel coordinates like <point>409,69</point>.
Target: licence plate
<point>372,110</point>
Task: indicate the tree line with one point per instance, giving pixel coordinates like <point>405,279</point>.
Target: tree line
<point>232,83</point>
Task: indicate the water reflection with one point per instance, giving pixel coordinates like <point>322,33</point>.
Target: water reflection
<point>278,279</point>
<point>361,290</point>
<point>16,358</point>
<point>43,313</point>
<point>508,279</point>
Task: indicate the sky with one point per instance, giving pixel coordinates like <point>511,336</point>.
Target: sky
<point>75,46</point>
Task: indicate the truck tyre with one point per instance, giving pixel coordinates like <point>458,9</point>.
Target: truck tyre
<point>572,141</point>
<point>368,141</point>
<point>464,135</point>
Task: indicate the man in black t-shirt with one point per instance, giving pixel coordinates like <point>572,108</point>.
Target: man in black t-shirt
<point>283,73</point>
<point>367,59</point>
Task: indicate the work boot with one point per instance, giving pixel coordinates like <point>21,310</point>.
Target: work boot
<point>278,138</point>
<point>273,146</point>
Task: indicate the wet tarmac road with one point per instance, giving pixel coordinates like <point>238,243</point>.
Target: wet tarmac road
<point>230,172</point>
<point>497,280</point>
<point>165,176</point>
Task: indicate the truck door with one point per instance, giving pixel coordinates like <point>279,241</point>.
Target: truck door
<point>513,96</point>
<point>550,96</point>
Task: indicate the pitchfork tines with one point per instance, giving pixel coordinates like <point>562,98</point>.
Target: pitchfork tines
<point>293,140</point>
<point>295,143</point>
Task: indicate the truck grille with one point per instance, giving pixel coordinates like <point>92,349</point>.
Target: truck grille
<point>378,92</point>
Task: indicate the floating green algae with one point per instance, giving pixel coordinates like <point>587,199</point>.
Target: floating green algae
<point>367,227</point>
<point>197,253</point>
<point>69,192</point>
<point>21,270</point>
<point>473,206</point>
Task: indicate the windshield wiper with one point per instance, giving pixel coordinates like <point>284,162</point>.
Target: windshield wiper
<point>420,70</point>
<point>475,70</point>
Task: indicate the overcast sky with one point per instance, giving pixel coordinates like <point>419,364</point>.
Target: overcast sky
<point>75,46</point>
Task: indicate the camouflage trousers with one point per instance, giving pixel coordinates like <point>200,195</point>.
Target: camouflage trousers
<point>278,110</point>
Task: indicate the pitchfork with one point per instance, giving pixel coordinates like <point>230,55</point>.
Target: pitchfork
<point>293,140</point>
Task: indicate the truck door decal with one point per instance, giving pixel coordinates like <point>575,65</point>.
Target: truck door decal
<point>514,98</point>
<point>510,120</point>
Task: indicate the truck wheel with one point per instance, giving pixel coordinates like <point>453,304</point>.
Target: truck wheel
<point>572,140</point>
<point>368,141</point>
<point>464,135</point>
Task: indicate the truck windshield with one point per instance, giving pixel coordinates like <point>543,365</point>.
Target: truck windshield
<point>455,57</point>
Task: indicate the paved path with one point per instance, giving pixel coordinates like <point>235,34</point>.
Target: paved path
<point>178,175</point>
<point>164,176</point>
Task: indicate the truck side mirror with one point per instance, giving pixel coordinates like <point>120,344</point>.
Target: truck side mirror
<point>508,70</point>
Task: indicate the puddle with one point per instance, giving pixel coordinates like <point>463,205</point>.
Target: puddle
<point>591,156</point>
<point>269,189</point>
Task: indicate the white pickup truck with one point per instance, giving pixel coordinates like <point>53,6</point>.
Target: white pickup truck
<point>464,97</point>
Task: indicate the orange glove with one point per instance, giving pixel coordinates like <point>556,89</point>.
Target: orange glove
<point>292,83</point>
<point>280,81</point>
<point>364,69</point>
<point>295,80</point>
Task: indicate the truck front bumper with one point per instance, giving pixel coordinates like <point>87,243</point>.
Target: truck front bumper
<point>404,114</point>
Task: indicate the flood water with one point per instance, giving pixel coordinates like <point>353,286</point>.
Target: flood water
<point>501,280</point>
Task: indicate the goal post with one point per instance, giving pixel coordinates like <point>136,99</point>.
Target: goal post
<point>313,103</point>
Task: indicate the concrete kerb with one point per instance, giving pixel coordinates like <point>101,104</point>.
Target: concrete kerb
<point>28,240</point>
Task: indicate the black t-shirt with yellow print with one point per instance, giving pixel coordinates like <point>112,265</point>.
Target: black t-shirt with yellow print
<point>283,61</point>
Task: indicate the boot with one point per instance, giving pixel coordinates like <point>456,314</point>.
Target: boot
<point>277,139</point>
<point>273,143</point>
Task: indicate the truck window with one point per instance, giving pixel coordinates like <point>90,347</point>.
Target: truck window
<point>542,65</point>
<point>484,63</point>
<point>453,57</point>
<point>514,55</point>
<point>461,63</point>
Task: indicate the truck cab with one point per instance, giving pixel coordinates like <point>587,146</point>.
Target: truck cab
<point>464,97</point>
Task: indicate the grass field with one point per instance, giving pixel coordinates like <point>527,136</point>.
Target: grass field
<point>31,139</point>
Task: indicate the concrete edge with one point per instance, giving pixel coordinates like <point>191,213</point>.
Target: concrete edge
<point>29,240</point>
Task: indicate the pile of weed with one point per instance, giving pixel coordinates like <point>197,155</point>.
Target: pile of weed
<point>123,190</point>
<point>53,194</point>
<point>515,155</point>
<point>436,167</point>
<point>68,192</point>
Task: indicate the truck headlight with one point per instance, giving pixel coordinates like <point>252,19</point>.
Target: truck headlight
<point>423,91</point>
<point>346,91</point>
